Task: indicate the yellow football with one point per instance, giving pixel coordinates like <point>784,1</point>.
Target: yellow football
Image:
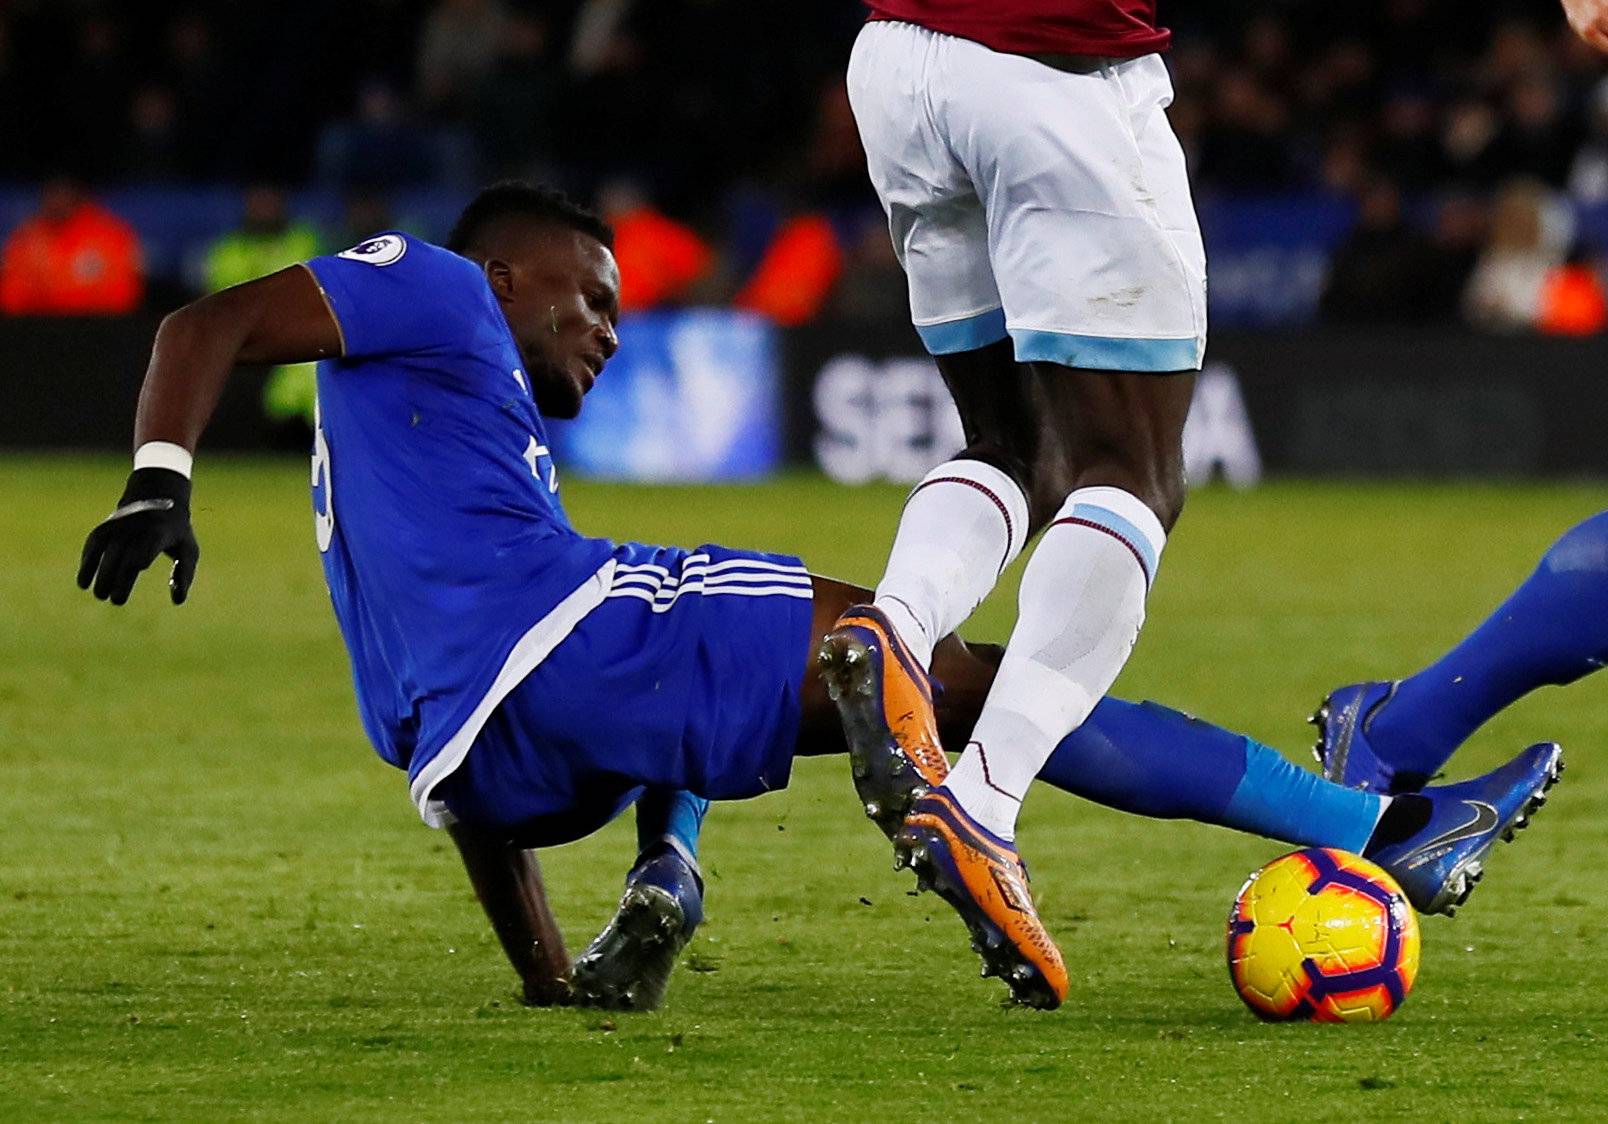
<point>1324,935</point>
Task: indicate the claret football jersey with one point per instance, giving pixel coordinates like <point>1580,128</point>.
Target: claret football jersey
<point>1109,28</point>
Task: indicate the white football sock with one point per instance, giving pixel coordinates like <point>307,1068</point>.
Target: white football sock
<point>962,525</point>
<point>1081,605</point>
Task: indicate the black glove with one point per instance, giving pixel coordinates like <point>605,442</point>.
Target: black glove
<point>152,518</point>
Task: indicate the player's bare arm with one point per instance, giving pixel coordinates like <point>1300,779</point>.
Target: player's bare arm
<point>281,318</point>
<point>508,882</point>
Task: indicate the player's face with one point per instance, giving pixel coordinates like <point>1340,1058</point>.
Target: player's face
<point>563,312</point>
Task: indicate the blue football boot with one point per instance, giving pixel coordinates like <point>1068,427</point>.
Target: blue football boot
<point>1343,751</point>
<point>627,966</point>
<point>1439,863</point>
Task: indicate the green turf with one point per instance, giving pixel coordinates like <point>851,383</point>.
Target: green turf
<point>215,902</point>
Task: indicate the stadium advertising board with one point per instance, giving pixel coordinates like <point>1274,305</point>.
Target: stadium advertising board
<point>693,395</point>
<point>710,395</point>
<point>866,404</point>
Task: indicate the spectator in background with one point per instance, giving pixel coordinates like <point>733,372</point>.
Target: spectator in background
<point>1537,139</point>
<point>1530,236</point>
<point>1573,301</point>
<point>1407,143</point>
<point>1469,130</point>
<point>1243,143</point>
<point>799,271</point>
<point>1266,51</point>
<point>515,102</point>
<point>198,77</point>
<point>72,258</point>
<point>1461,221</point>
<point>153,151</point>
<point>92,94</point>
<point>266,241</point>
<point>364,212</point>
<point>379,147</point>
<point>1514,50</point>
<point>1344,166</point>
<point>1588,174</point>
<point>796,276</point>
<point>1384,272</point>
<point>457,52</point>
<point>660,259</point>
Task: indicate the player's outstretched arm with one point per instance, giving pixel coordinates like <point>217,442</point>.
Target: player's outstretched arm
<point>281,318</point>
<point>508,882</point>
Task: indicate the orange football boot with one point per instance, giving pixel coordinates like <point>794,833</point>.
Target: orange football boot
<point>982,876</point>
<point>885,700</point>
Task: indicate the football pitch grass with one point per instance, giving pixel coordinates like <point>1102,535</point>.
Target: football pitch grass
<point>216,903</point>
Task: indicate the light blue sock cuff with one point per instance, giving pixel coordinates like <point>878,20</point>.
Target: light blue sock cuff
<point>676,817</point>
<point>1123,516</point>
<point>1279,799</point>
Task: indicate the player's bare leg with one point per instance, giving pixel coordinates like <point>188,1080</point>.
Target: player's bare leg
<point>964,672</point>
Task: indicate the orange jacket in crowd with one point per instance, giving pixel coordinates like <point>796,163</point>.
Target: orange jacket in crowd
<point>1572,302</point>
<point>659,258</point>
<point>794,279</point>
<point>85,264</point>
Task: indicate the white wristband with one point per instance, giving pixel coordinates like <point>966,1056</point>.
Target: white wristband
<point>164,454</point>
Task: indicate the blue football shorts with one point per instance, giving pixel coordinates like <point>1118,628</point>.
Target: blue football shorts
<point>686,676</point>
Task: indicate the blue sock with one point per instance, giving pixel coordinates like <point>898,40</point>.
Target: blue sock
<point>1553,629</point>
<point>670,816</point>
<point>1154,761</point>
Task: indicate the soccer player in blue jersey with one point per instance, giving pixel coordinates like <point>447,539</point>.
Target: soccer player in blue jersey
<point>1394,736</point>
<point>534,682</point>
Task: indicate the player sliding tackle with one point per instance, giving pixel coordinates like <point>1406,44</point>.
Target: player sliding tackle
<point>1393,737</point>
<point>534,682</point>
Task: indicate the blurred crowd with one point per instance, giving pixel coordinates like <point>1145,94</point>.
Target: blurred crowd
<point>1468,138</point>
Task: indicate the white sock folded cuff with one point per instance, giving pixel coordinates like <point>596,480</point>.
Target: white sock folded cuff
<point>998,486</point>
<point>1124,517</point>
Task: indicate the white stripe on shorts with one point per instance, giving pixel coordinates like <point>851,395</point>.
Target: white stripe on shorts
<point>735,577</point>
<point>530,650</point>
<point>694,561</point>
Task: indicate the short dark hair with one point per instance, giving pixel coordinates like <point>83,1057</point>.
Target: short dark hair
<point>521,199</point>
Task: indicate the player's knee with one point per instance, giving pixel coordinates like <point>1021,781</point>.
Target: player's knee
<point>1167,497</point>
<point>1581,556</point>
<point>1162,489</point>
<point>1051,486</point>
<point>997,455</point>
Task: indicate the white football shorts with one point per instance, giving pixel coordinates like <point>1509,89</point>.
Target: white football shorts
<point>1047,203</point>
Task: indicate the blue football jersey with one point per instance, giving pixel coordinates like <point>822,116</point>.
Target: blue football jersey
<point>435,500</point>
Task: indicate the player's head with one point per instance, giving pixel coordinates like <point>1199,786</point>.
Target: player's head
<point>551,265</point>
